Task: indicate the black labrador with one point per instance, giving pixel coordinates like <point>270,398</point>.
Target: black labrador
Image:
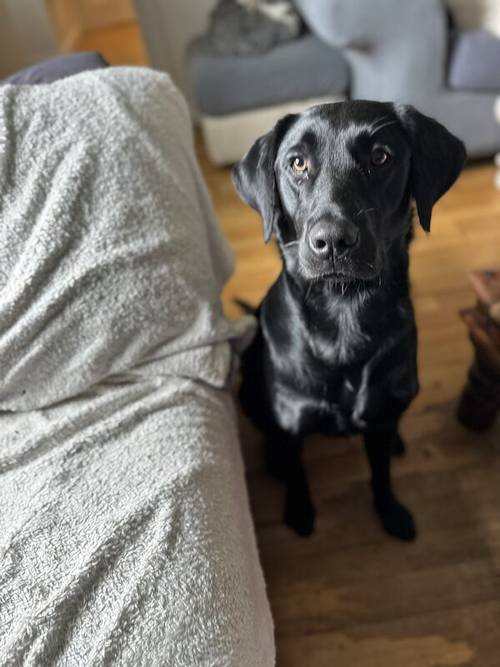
<point>335,351</point>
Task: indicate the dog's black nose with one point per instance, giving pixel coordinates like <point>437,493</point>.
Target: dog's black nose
<point>337,237</point>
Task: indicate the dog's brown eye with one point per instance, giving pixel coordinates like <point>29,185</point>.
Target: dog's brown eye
<point>379,156</point>
<point>299,165</point>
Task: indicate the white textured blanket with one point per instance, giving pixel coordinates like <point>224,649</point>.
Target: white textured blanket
<point>125,534</point>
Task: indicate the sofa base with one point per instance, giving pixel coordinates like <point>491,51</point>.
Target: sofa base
<point>227,138</point>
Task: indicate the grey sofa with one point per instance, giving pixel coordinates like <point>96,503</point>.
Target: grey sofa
<point>398,50</point>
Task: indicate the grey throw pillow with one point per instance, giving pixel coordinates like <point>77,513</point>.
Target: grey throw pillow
<point>475,61</point>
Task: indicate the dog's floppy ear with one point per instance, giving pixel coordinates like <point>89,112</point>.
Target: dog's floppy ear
<point>437,158</point>
<point>254,177</point>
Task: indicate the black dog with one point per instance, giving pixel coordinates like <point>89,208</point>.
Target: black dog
<point>336,348</point>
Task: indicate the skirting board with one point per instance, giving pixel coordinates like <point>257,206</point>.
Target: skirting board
<point>228,138</point>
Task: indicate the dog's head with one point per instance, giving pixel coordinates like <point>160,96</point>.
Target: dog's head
<point>335,183</point>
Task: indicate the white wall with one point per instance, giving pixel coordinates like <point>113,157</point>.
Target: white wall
<point>26,35</point>
<point>168,26</point>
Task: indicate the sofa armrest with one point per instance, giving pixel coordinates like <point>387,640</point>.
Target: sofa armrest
<point>396,48</point>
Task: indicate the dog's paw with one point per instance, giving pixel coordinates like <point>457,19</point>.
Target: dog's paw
<point>300,515</point>
<point>397,521</point>
<point>398,447</point>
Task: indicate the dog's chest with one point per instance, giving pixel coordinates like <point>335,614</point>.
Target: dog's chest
<point>340,345</point>
<point>318,402</point>
<point>317,390</point>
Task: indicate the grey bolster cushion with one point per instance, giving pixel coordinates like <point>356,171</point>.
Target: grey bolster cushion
<point>475,61</point>
<point>383,41</point>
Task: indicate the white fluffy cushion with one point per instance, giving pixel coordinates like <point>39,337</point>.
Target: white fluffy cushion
<point>471,14</point>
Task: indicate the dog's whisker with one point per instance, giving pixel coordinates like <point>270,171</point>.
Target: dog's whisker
<point>366,210</point>
<point>308,290</point>
<point>383,126</point>
<point>378,121</point>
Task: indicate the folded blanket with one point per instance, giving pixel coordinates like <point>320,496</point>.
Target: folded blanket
<point>125,534</point>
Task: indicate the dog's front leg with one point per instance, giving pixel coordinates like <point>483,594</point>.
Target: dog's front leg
<point>285,463</point>
<point>395,518</point>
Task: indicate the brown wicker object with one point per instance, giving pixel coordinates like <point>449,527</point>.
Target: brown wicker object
<point>480,401</point>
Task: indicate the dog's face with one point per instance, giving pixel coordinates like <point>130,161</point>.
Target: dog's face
<point>335,184</point>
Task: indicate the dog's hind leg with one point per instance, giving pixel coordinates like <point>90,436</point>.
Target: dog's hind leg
<point>395,518</point>
<point>284,459</point>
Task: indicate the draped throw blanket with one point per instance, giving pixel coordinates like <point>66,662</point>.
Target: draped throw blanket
<point>125,533</point>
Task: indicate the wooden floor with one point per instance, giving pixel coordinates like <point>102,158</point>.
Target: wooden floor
<point>350,596</point>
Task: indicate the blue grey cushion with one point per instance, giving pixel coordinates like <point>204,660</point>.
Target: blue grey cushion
<point>57,68</point>
<point>475,61</point>
<point>395,48</point>
<point>296,70</point>
<point>469,115</point>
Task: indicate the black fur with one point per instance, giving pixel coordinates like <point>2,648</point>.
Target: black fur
<point>336,348</point>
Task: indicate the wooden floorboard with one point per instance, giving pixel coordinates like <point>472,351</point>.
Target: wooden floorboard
<point>349,596</point>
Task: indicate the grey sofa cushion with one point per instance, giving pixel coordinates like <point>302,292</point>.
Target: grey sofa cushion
<point>469,115</point>
<point>297,70</point>
<point>475,61</point>
<point>57,68</point>
<point>395,48</point>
